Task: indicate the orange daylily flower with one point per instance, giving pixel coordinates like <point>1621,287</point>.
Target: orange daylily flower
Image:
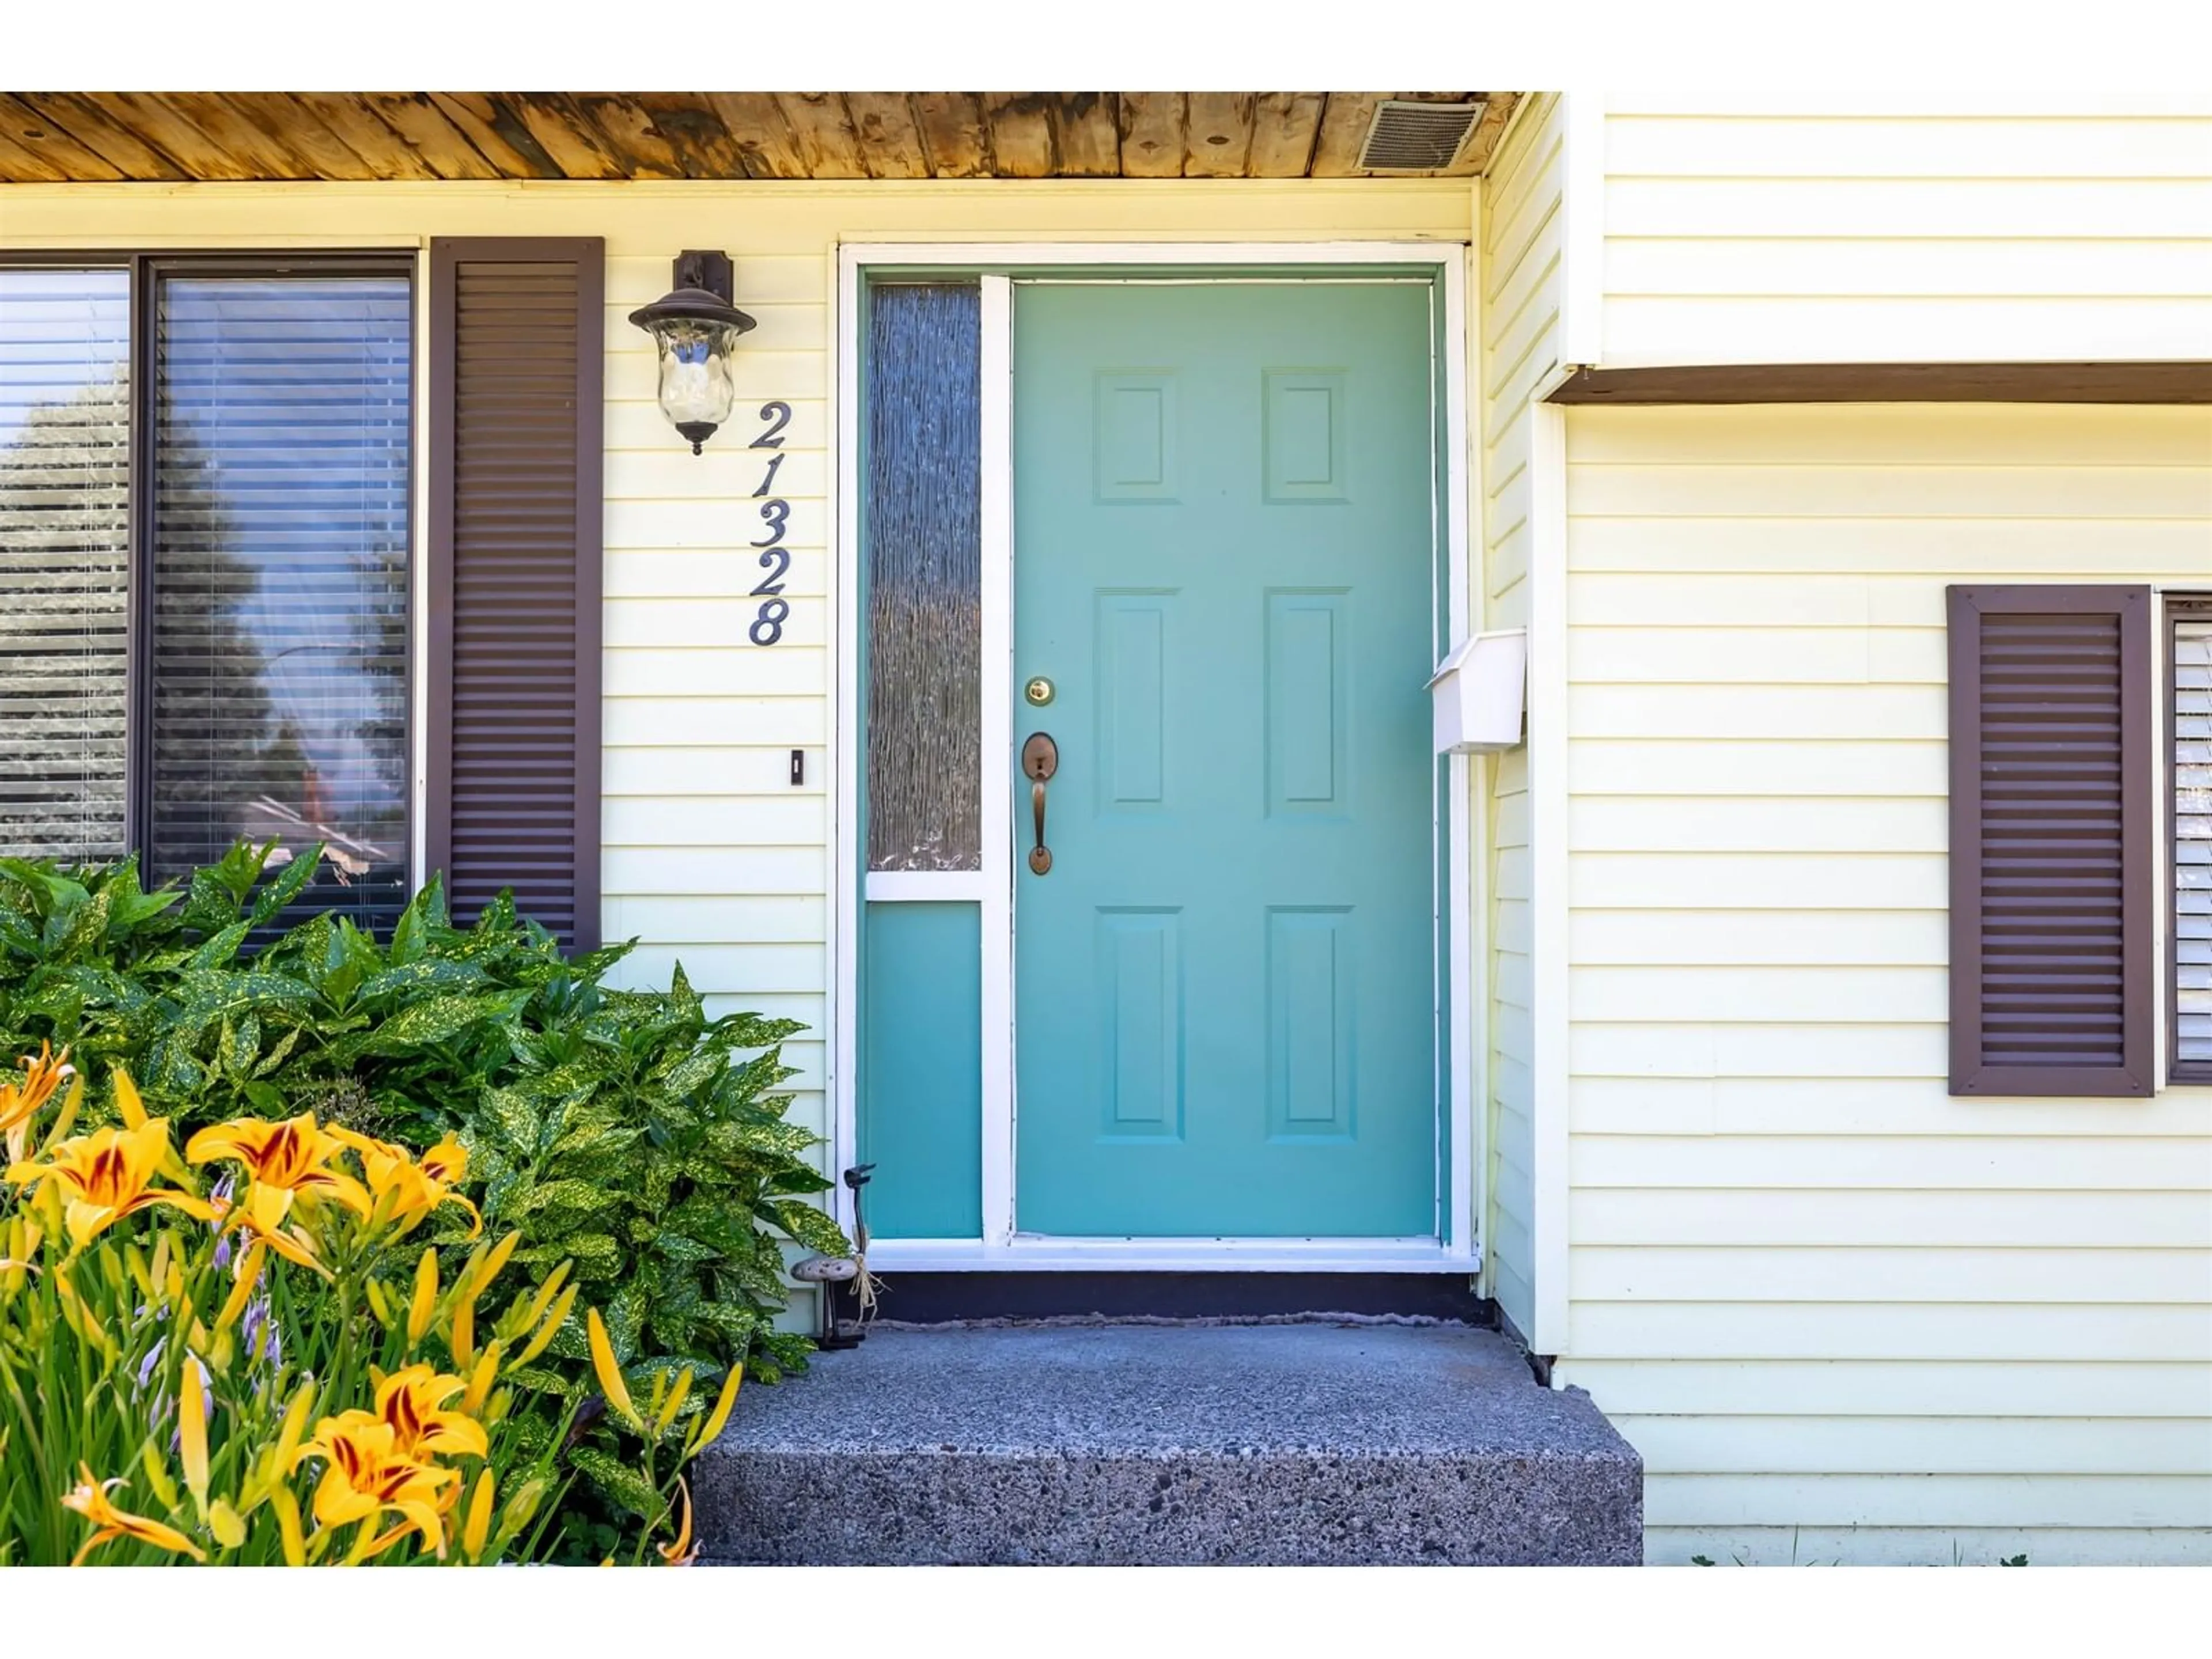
<point>20,1102</point>
<point>369,1475</point>
<point>403,1189</point>
<point>285,1161</point>
<point>89,1500</point>
<point>104,1178</point>
<point>412,1403</point>
<point>290,1242</point>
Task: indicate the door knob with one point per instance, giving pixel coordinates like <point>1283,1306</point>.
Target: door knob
<point>1040,759</point>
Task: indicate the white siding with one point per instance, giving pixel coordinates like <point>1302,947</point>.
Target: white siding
<point>1779,228</point>
<point>1837,1309</point>
<point>1519,276</point>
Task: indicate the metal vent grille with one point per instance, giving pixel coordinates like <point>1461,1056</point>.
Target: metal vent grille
<point>1410,137</point>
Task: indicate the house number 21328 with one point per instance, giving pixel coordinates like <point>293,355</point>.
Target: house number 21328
<point>775,513</point>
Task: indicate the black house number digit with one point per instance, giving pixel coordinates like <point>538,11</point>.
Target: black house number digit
<point>775,513</point>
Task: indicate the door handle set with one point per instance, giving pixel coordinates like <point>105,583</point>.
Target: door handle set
<point>1040,759</point>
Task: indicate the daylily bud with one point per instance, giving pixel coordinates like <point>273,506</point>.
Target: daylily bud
<point>477,1528</point>
<point>287,1524</point>
<point>498,1259</point>
<point>521,1507</point>
<point>157,1477</point>
<point>550,1328</point>
<point>426,1297</point>
<point>677,1396</point>
<point>543,1300</point>
<point>249,1274</point>
<point>192,1433</point>
<point>609,1373</point>
<point>481,1379</point>
<point>708,1432</point>
<point>295,1426</point>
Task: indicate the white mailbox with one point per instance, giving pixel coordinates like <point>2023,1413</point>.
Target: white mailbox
<point>1477,692</point>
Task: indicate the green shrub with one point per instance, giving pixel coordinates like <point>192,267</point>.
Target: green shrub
<point>621,1129</point>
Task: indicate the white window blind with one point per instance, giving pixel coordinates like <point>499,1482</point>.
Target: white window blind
<point>2192,839</point>
<point>279,541</point>
<point>64,487</point>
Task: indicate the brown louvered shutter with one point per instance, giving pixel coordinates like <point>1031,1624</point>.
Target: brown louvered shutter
<point>513,576</point>
<point>2052,896</point>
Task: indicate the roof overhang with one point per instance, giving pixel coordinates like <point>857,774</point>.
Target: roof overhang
<point>58,138</point>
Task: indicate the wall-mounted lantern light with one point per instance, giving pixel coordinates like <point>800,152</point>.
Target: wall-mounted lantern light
<point>695,328</point>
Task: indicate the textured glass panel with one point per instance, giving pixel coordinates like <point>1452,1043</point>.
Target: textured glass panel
<point>64,487</point>
<point>2192,839</point>
<point>280,579</point>
<point>925,552</point>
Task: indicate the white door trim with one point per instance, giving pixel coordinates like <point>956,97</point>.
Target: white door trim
<point>1456,1248</point>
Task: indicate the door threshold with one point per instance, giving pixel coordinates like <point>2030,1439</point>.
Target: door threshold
<point>907,1299</point>
<point>1038,1252</point>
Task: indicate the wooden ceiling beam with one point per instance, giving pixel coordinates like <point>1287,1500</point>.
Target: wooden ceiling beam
<point>93,126</point>
<point>1218,137</point>
<point>500,136</point>
<point>1086,134</point>
<point>425,129</point>
<point>823,128</point>
<point>264,152</point>
<point>1284,125</point>
<point>325,154</point>
<point>888,136</point>
<point>632,138</point>
<point>22,166</point>
<point>756,126</point>
<point>567,135</point>
<point>1021,132</point>
<point>353,123</point>
<point>30,131</point>
<point>158,125</point>
<point>697,133</point>
<point>1151,126</point>
<point>1344,124</point>
<point>955,137</point>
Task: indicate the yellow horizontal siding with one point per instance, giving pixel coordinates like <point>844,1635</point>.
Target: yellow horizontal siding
<point>1517,281</point>
<point>1943,228</point>
<point>1818,1292</point>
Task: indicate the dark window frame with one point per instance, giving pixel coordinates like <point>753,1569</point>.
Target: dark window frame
<point>2177,609</point>
<point>146,268</point>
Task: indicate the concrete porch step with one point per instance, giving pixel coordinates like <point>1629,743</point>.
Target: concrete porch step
<point>1308,1443</point>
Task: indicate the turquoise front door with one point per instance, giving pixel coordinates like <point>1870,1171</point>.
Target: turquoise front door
<point>1226,1003</point>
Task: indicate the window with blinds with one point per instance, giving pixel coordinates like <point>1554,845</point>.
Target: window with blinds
<point>65,540</point>
<point>278,546</point>
<point>2190,657</point>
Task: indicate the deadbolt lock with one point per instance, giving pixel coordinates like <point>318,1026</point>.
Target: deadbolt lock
<point>1038,691</point>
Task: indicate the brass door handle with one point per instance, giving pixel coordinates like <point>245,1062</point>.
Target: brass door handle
<point>1040,759</point>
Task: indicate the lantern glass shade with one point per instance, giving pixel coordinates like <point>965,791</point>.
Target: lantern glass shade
<point>695,386</point>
